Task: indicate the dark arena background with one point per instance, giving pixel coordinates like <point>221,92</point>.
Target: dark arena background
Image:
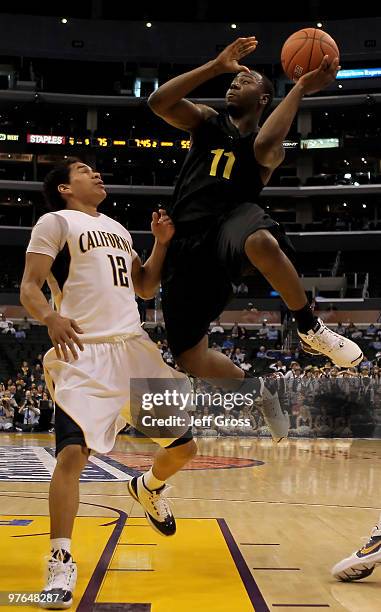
<point>259,524</point>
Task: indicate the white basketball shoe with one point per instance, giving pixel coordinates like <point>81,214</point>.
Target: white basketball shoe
<point>62,578</point>
<point>322,340</point>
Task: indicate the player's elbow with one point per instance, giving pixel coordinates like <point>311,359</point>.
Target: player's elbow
<point>154,103</point>
<point>145,293</point>
<point>24,294</point>
<point>145,284</point>
<point>27,292</point>
<point>263,146</point>
<point>158,104</point>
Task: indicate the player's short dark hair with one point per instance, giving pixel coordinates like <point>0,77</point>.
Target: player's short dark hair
<point>268,88</point>
<point>60,174</point>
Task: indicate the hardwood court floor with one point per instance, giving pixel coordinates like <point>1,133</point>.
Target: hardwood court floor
<point>259,526</point>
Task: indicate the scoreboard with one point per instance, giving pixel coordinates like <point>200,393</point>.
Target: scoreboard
<point>139,143</point>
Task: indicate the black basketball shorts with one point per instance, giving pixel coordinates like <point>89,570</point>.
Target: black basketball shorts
<point>199,271</point>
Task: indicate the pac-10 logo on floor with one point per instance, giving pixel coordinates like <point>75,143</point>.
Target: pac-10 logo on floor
<point>36,464</point>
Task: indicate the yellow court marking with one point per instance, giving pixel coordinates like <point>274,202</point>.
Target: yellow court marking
<point>191,571</point>
<point>23,558</point>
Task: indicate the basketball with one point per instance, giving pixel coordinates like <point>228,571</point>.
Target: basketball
<point>304,50</point>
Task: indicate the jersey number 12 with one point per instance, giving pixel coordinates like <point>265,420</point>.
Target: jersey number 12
<point>119,270</point>
<point>218,153</point>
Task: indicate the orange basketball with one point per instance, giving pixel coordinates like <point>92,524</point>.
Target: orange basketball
<point>304,50</point>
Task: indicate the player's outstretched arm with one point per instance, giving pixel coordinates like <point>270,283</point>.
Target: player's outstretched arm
<point>62,331</point>
<point>268,146</point>
<point>169,100</point>
<point>146,278</point>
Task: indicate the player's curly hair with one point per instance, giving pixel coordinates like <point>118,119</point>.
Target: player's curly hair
<point>60,174</point>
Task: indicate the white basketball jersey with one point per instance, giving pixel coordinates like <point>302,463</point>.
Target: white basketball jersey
<point>90,279</point>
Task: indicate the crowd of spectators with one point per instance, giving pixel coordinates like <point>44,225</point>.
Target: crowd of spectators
<point>25,403</point>
<point>18,330</point>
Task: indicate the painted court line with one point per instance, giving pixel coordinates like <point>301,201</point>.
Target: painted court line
<point>121,607</point>
<point>127,544</point>
<point>247,577</point>
<point>125,569</point>
<point>276,569</point>
<point>257,544</point>
<point>89,596</point>
<point>301,606</point>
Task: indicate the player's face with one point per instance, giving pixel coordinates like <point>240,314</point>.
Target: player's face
<point>86,184</point>
<point>245,93</point>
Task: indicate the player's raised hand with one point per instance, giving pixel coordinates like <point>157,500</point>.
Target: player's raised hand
<point>63,333</point>
<point>162,227</point>
<point>322,77</point>
<point>229,59</point>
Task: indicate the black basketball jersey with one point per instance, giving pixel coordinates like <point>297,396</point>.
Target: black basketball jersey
<point>219,173</point>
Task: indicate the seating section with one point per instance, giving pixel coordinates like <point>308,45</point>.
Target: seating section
<point>14,352</point>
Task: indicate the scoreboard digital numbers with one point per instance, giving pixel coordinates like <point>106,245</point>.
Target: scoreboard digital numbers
<point>89,142</point>
<point>145,143</point>
<point>79,141</point>
<point>134,143</point>
<point>152,143</point>
<point>103,142</point>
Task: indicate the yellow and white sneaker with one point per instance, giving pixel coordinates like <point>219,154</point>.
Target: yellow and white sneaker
<point>155,505</point>
<point>322,340</point>
<point>362,563</point>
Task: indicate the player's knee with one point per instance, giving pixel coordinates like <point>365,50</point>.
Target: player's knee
<point>261,243</point>
<point>73,458</point>
<point>186,451</point>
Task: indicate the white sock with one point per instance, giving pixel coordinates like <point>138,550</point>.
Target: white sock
<point>60,544</point>
<point>151,482</point>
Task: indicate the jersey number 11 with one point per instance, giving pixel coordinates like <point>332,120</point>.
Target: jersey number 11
<point>218,153</point>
